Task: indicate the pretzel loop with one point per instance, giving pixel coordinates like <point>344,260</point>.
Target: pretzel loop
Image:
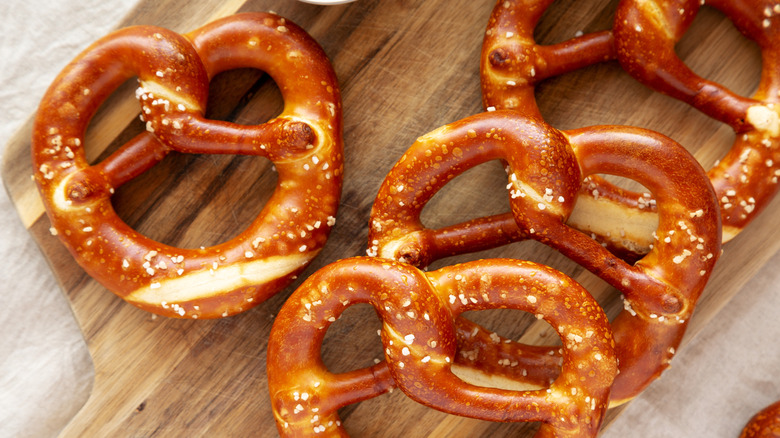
<point>280,49</point>
<point>547,168</point>
<point>74,98</point>
<point>419,341</point>
<point>174,70</point>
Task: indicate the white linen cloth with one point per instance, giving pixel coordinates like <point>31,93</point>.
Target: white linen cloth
<point>45,370</point>
<point>724,376</point>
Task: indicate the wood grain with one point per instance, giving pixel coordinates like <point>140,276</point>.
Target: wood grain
<point>406,67</point>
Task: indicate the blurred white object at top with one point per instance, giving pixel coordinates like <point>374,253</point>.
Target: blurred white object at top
<point>327,2</point>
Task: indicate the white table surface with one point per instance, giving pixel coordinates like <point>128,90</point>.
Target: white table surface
<point>726,374</point>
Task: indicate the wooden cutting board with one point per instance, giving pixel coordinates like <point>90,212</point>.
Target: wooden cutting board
<point>406,67</point>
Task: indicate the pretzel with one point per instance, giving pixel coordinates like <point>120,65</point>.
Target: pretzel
<point>765,424</point>
<point>745,179</point>
<point>419,343</point>
<point>547,168</point>
<point>304,142</point>
<point>643,42</point>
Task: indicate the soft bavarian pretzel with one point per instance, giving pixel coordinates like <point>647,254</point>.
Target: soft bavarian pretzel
<point>546,169</point>
<point>304,142</point>
<point>765,424</point>
<point>746,178</point>
<point>417,310</point>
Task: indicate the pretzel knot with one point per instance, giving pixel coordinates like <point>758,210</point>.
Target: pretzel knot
<point>304,143</point>
<point>417,310</point>
<point>746,178</point>
<point>547,168</point>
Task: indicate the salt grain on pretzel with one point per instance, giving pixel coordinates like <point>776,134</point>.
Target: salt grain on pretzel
<point>304,143</point>
<point>547,169</point>
<point>420,345</point>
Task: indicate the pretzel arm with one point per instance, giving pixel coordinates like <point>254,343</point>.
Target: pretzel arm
<point>574,54</point>
<point>92,184</point>
<point>645,39</point>
<point>475,235</point>
<point>491,356</point>
<point>466,237</point>
<point>132,159</point>
<point>277,139</point>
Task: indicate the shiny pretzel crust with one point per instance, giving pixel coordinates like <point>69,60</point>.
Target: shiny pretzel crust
<point>642,40</point>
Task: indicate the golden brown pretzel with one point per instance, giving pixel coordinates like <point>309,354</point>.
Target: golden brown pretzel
<point>765,424</point>
<point>546,169</point>
<point>417,311</point>
<point>746,178</point>
<point>304,142</point>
